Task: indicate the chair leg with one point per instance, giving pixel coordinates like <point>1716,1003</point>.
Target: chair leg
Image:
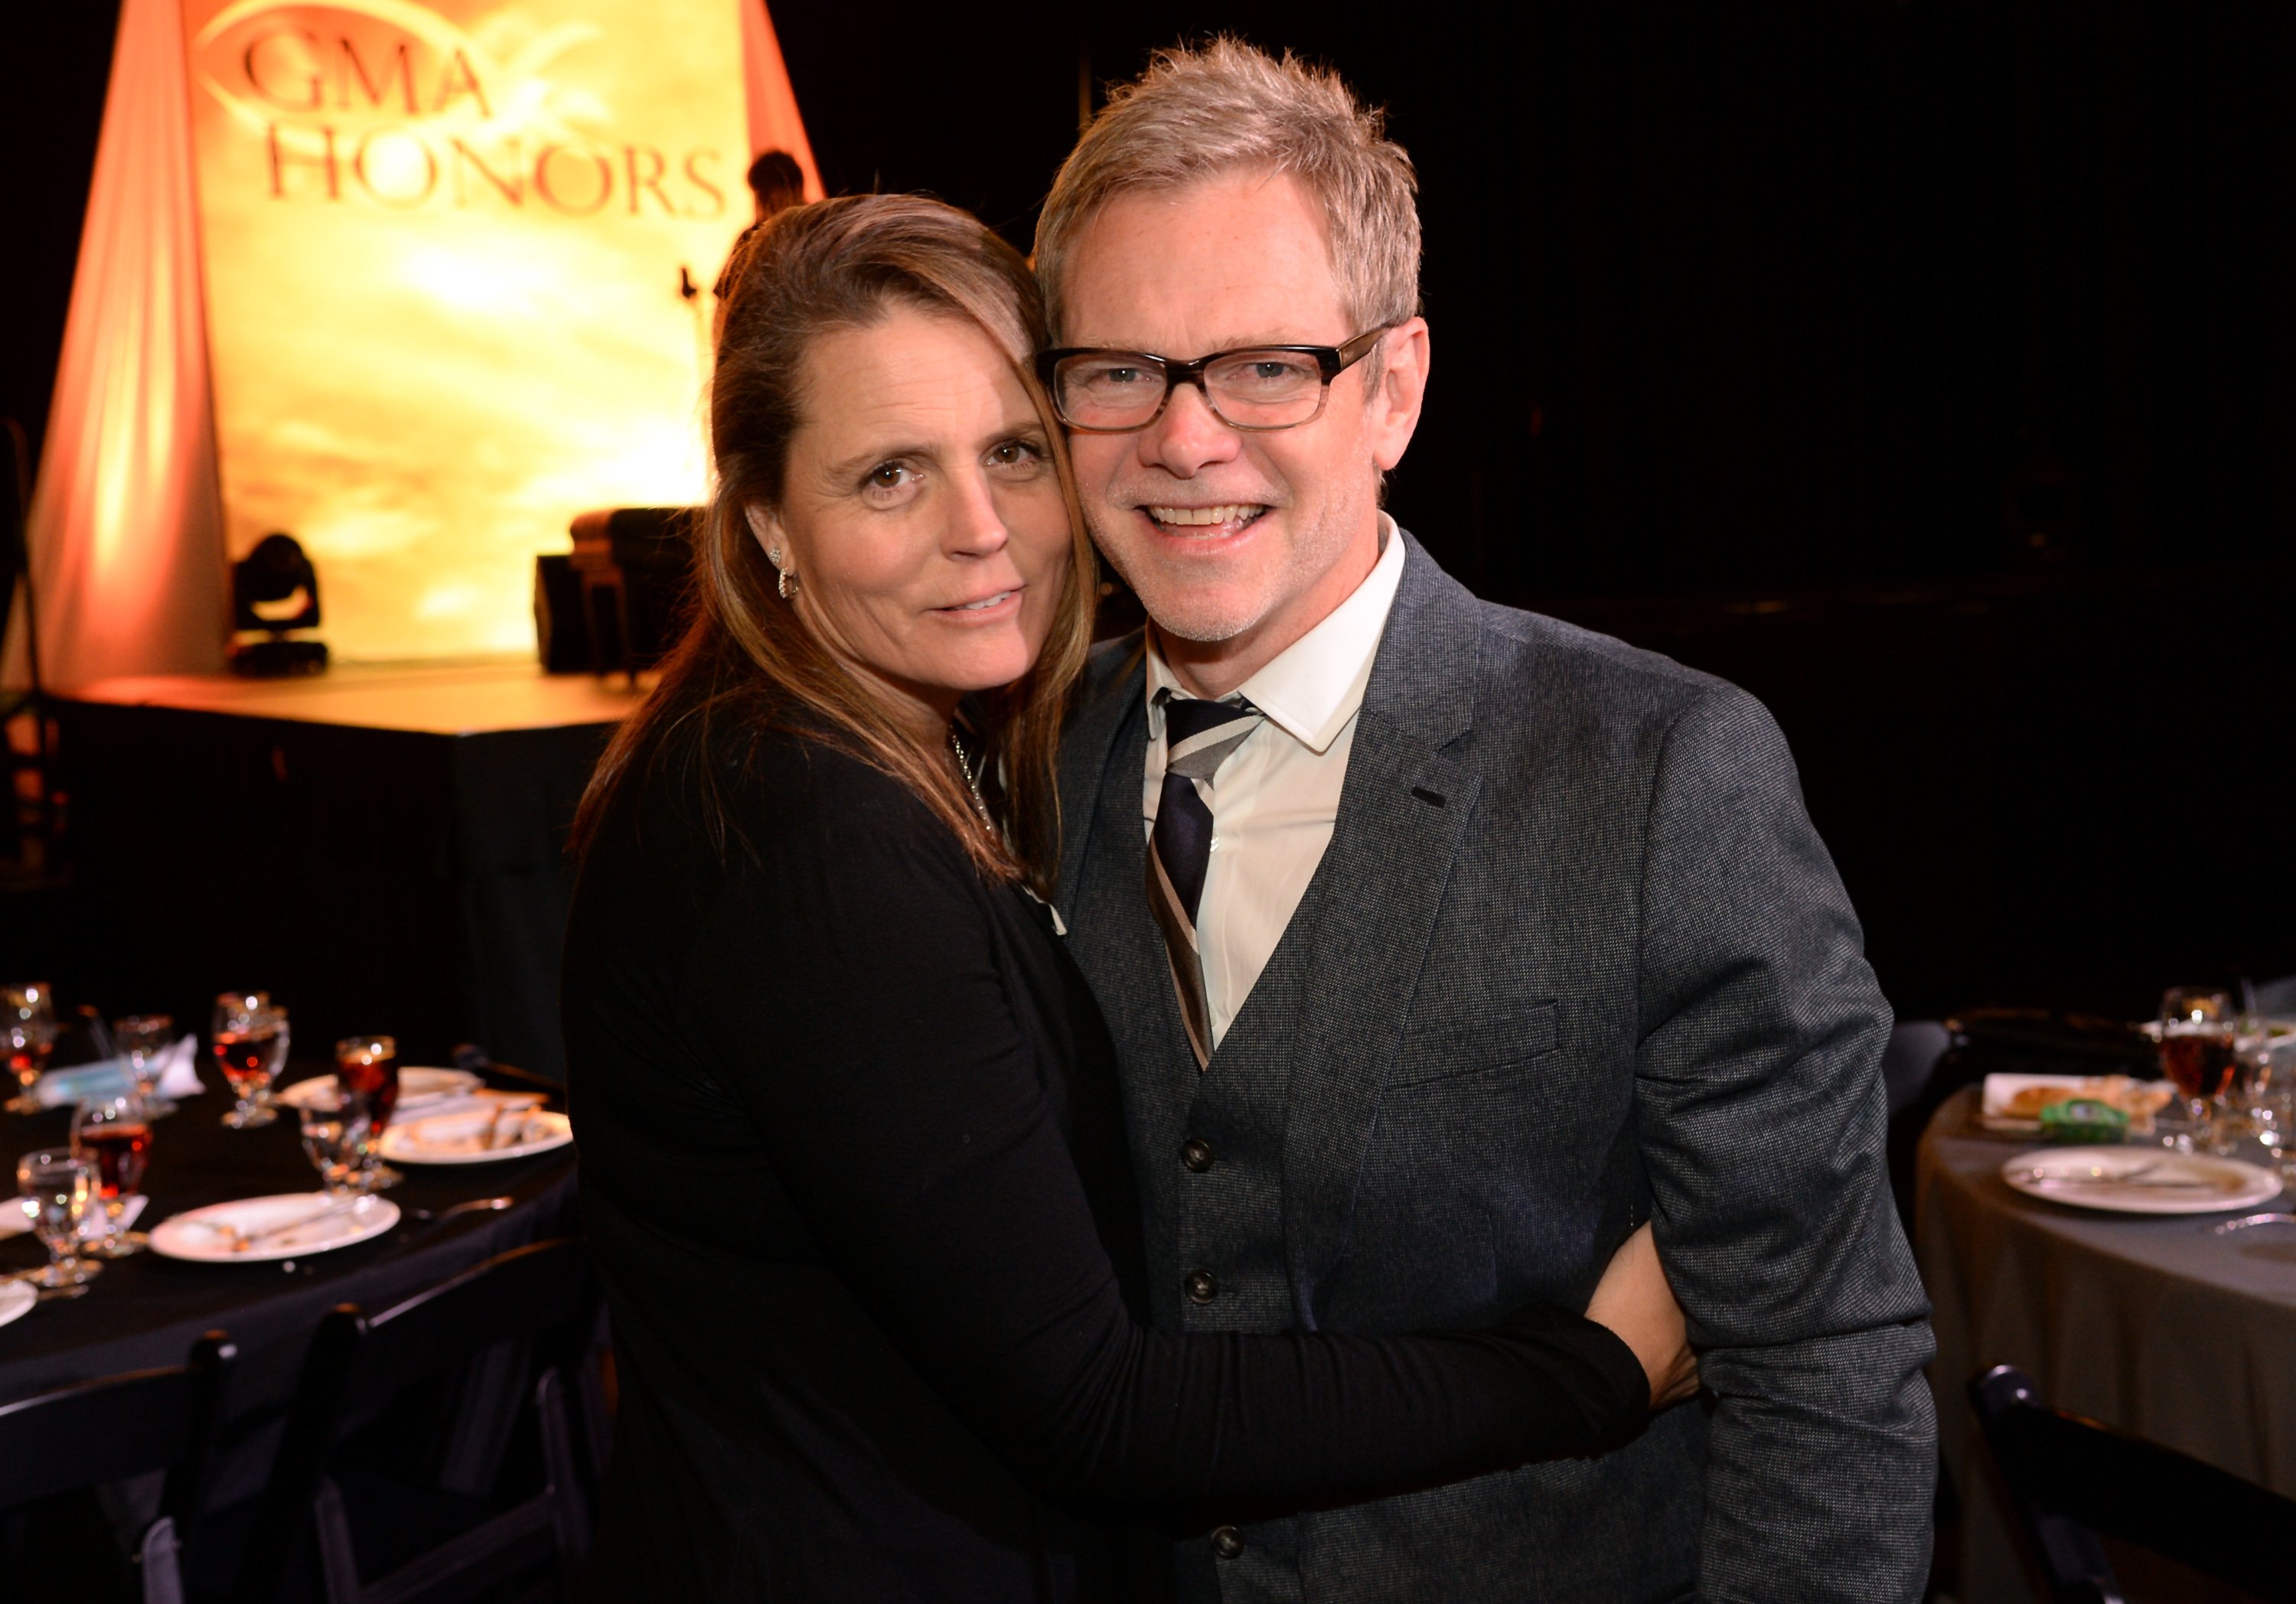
<point>568,1518</point>
<point>158,1556</point>
<point>338,1559</point>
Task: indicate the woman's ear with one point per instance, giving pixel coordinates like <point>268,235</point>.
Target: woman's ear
<point>764,526</point>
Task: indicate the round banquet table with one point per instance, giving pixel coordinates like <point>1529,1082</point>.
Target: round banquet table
<point>147,1310</point>
<point>2152,1323</point>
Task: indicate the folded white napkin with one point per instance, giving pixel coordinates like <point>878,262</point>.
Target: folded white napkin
<point>108,1077</point>
<point>16,1218</point>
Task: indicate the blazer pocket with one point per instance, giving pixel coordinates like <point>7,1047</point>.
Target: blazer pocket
<point>1490,1045</point>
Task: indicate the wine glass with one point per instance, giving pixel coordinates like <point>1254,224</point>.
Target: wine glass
<point>142,1038</point>
<point>28,1030</point>
<point>114,1133</point>
<point>61,1189</point>
<point>249,1044</point>
<point>335,1139</point>
<point>2197,1041</point>
<point>367,1083</point>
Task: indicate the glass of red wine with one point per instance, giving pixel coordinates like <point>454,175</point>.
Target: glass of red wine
<point>367,1083</point>
<point>249,1044</point>
<point>27,1033</point>
<point>2199,1037</point>
<point>114,1133</point>
<point>58,1189</point>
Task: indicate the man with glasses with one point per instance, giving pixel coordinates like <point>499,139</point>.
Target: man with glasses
<point>1444,944</point>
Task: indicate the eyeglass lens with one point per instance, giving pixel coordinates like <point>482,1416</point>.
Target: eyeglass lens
<point>1255,389</point>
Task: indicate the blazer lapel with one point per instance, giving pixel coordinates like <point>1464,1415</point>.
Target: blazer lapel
<point>1410,792</point>
<point>1113,684</point>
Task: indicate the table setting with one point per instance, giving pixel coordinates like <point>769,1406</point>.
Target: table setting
<point>2126,1238</point>
<point>146,1209</point>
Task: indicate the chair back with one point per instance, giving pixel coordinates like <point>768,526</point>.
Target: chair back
<point>2073,1479</point>
<point>104,1430</point>
<point>360,1364</point>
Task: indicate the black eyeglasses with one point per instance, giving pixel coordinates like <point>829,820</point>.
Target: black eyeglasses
<point>1256,388</point>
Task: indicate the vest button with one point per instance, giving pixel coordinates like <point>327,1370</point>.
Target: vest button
<point>1200,1287</point>
<point>1196,1153</point>
<point>1227,1542</point>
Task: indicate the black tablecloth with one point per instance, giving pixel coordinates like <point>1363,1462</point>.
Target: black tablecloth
<point>147,1310</point>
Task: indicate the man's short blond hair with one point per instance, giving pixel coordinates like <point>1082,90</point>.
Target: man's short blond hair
<point>1226,107</point>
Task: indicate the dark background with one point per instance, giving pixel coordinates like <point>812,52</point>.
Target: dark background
<point>1926,368</point>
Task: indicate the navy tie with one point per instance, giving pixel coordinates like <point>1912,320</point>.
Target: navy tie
<point>1198,736</point>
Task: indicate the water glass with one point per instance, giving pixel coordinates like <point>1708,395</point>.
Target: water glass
<point>114,1133</point>
<point>27,1033</point>
<point>367,1083</point>
<point>249,1044</point>
<point>336,1140</point>
<point>61,1188</point>
<point>142,1039</point>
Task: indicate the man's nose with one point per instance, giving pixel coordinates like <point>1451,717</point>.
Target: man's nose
<point>1189,436</point>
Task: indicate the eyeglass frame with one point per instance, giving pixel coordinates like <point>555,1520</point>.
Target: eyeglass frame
<point>1331,360</point>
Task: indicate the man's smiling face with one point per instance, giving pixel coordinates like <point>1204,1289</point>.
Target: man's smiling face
<point>1238,543</point>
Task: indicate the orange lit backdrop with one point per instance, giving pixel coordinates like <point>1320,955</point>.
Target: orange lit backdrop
<point>444,247</point>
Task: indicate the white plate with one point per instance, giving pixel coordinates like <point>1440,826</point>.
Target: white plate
<point>416,1087</point>
<point>459,1138</point>
<point>2171,1183</point>
<point>191,1236</point>
<point>15,1299</point>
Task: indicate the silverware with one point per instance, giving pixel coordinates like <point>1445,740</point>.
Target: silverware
<point>522,1106</point>
<point>472,1205</point>
<point>2246,1221</point>
<point>2131,1179</point>
<point>242,1240</point>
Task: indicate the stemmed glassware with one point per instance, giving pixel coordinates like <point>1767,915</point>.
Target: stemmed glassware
<point>142,1038</point>
<point>114,1133</point>
<point>61,1188</point>
<point>249,1044</point>
<point>335,1140</point>
<point>366,1088</point>
<point>28,1031</point>
<point>2198,1038</point>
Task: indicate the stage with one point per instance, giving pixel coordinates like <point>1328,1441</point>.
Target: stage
<point>381,848</point>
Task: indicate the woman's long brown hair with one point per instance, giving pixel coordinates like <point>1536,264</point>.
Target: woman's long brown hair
<point>745,663</point>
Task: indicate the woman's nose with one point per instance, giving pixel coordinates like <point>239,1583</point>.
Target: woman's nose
<point>976,524</point>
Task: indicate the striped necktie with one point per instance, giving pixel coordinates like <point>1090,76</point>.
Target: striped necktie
<point>1198,736</point>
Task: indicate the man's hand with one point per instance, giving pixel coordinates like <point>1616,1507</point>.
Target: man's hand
<point>1633,1300</point>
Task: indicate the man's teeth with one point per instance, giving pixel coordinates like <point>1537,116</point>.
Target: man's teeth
<point>1237,513</point>
<point>984,602</point>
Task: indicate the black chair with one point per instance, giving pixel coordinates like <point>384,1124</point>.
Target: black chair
<point>92,1432</point>
<point>527,1311</point>
<point>2074,1480</point>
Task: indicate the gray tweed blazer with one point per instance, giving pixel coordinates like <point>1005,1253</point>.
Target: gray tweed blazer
<point>1575,958</point>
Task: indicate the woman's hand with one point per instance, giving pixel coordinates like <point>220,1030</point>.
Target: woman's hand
<point>1633,1300</point>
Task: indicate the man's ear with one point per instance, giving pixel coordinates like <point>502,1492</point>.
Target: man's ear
<point>1401,392</point>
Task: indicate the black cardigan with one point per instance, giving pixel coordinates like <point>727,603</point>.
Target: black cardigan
<point>856,1176</point>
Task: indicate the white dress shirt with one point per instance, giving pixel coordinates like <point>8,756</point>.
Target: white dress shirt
<point>1276,797</point>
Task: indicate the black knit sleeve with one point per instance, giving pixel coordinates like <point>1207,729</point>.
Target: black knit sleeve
<point>848,986</point>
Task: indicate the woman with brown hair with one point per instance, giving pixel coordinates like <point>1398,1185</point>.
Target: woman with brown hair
<point>853,1152</point>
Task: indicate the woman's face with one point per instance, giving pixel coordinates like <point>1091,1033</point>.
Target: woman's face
<point>921,515</point>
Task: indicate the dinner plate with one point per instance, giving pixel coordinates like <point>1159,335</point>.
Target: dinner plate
<point>461,1137</point>
<point>2139,1180</point>
<point>199,1234</point>
<point>15,1299</point>
<point>416,1087</point>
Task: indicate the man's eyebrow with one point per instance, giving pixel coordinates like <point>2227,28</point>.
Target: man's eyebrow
<point>1250,342</point>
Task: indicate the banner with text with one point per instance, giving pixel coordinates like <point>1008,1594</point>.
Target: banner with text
<point>457,256</point>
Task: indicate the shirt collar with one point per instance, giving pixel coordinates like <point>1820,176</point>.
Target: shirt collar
<point>1314,685</point>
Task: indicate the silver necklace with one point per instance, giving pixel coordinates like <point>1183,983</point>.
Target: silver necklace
<point>965,767</point>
